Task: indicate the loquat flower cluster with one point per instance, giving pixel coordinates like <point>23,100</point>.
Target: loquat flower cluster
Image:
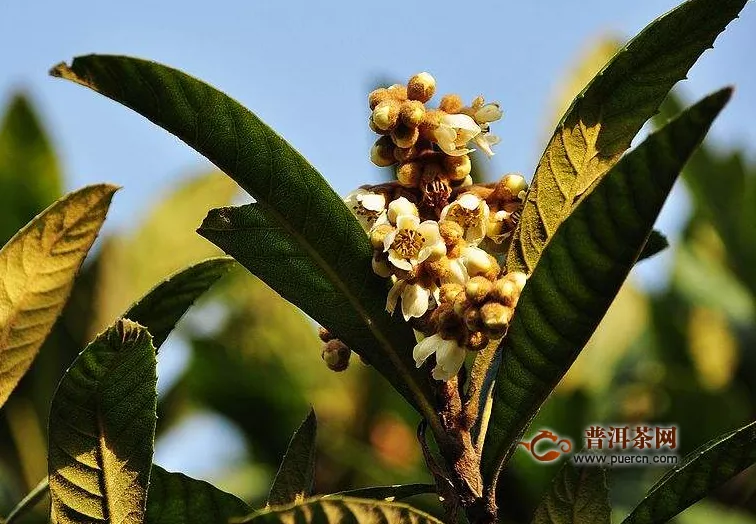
<point>435,233</point>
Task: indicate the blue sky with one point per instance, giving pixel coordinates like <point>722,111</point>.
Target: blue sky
<point>306,67</point>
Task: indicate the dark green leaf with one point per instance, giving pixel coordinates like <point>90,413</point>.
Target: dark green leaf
<point>389,493</point>
<point>602,121</point>
<point>161,308</point>
<point>656,243</point>
<point>343,509</point>
<point>576,496</point>
<point>299,232</point>
<point>175,498</point>
<point>296,475</point>
<point>700,472</point>
<point>29,172</point>
<point>102,428</point>
<point>580,273</point>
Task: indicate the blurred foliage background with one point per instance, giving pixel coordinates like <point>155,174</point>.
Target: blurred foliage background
<point>250,362</point>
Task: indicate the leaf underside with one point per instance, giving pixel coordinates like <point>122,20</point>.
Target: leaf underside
<point>699,473</point>
<point>161,309</point>
<point>37,269</point>
<point>602,121</point>
<point>295,477</point>
<point>576,496</point>
<point>299,230</point>
<point>175,498</point>
<point>335,510</point>
<point>102,428</point>
<point>580,273</point>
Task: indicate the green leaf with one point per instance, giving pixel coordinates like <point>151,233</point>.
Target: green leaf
<point>29,171</point>
<point>37,269</point>
<point>102,428</point>
<point>296,475</point>
<point>299,233</point>
<point>700,472</point>
<point>344,509</point>
<point>655,244</point>
<point>165,304</point>
<point>576,496</point>
<point>389,493</point>
<point>175,498</point>
<point>580,273</point>
<point>602,121</point>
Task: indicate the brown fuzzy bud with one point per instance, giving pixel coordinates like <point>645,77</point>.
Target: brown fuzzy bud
<point>409,174</point>
<point>386,114</point>
<point>451,103</point>
<point>421,87</point>
<point>378,96</point>
<point>336,355</point>
<point>518,277</point>
<point>472,319</point>
<point>431,122</point>
<point>449,292</point>
<point>450,231</point>
<point>450,325</point>
<point>412,113</point>
<point>495,269</point>
<point>505,291</point>
<point>477,289</point>
<point>461,304</point>
<point>458,167</point>
<point>324,334</point>
<point>405,154</point>
<point>477,341</point>
<point>405,137</point>
<point>495,319</point>
<point>374,128</point>
<point>398,92</point>
<point>511,187</point>
<point>381,266</point>
<point>382,152</point>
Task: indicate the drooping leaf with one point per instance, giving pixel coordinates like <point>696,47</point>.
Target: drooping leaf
<point>576,496</point>
<point>655,244</point>
<point>389,493</point>
<point>296,475</point>
<point>162,242</point>
<point>602,121</point>
<point>698,473</point>
<point>175,498</point>
<point>37,269</point>
<point>102,428</point>
<point>297,212</point>
<point>166,303</point>
<point>580,273</point>
<point>333,510</point>
<point>29,171</point>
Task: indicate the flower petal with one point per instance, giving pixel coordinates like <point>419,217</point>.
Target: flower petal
<point>468,201</point>
<point>489,113</point>
<point>407,222</point>
<point>398,261</point>
<point>425,348</point>
<point>393,296</point>
<point>449,359</point>
<point>414,301</point>
<point>372,201</point>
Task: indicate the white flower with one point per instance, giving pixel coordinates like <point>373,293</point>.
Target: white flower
<point>454,132</point>
<point>485,140</point>
<point>471,212</point>
<point>366,206</point>
<point>413,242</point>
<point>484,114</point>
<point>401,206</point>
<point>416,298</point>
<point>449,356</point>
<point>475,261</point>
<point>495,229</point>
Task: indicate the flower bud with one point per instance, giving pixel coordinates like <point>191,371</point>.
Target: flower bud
<point>336,355</point>
<point>374,128</point>
<point>515,184</point>
<point>477,289</point>
<point>405,154</point>
<point>505,291</point>
<point>477,341</point>
<point>386,114</point>
<point>382,152</point>
<point>324,334</point>
<point>519,278</point>
<point>409,174</point>
<point>405,137</point>
<point>477,261</point>
<point>458,167</point>
<point>461,304</point>
<point>495,319</point>
<point>378,234</point>
<point>451,103</point>
<point>378,96</point>
<point>398,92</point>
<point>450,325</point>
<point>380,265</point>
<point>449,292</point>
<point>401,206</point>
<point>450,231</point>
<point>421,87</point>
<point>412,113</point>
<point>472,319</point>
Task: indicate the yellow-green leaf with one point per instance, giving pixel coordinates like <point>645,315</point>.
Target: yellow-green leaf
<point>335,510</point>
<point>576,496</point>
<point>102,428</point>
<point>37,269</point>
<point>602,121</point>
